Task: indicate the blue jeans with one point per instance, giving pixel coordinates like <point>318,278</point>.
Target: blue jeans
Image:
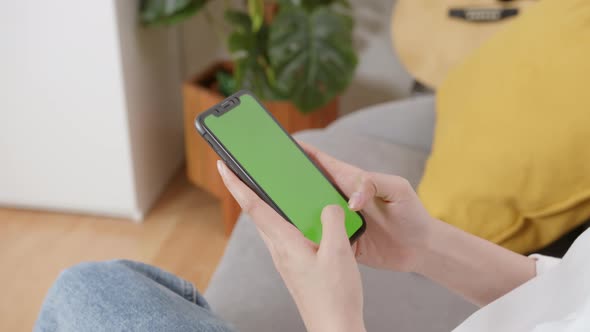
<point>125,296</point>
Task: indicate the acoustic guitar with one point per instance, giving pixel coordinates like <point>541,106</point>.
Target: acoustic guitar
<point>432,36</point>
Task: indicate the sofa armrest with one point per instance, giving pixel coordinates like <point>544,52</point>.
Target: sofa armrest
<point>409,122</point>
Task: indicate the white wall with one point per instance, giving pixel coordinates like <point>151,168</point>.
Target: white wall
<point>82,126</point>
<point>152,80</point>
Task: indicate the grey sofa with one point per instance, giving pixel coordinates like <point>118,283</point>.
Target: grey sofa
<point>391,138</point>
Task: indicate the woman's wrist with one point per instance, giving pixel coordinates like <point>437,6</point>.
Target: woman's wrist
<point>424,246</point>
<point>431,246</point>
<point>476,269</point>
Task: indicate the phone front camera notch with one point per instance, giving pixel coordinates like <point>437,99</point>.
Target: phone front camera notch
<point>228,104</point>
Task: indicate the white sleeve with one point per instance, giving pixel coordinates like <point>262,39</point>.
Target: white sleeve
<point>545,263</point>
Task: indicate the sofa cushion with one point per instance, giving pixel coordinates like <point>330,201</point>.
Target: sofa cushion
<point>510,157</point>
<point>368,153</point>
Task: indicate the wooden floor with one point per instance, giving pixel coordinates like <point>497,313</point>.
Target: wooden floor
<point>182,234</point>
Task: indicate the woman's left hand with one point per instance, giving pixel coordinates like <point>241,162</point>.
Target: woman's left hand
<point>324,281</point>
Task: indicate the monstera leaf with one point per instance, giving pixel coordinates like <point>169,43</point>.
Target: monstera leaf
<point>256,12</point>
<point>304,54</point>
<point>248,47</point>
<point>311,54</point>
<point>154,12</point>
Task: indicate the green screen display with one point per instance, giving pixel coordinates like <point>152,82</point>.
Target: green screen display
<point>279,167</point>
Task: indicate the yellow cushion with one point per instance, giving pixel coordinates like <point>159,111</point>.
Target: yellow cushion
<point>511,153</point>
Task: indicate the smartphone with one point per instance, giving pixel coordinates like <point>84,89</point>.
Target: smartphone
<point>265,157</point>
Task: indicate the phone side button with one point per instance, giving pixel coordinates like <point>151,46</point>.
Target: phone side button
<point>206,137</point>
<point>214,147</point>
<point>220,153</point>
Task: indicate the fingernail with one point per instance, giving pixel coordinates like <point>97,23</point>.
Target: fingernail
<point>220,168</point>
<point>355,200</point>
<point>333,210</point>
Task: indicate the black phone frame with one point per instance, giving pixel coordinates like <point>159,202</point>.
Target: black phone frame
<point>227,105</point>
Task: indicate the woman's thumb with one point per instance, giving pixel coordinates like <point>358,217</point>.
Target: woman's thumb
<point>334,234</point>
<point>376,185</point>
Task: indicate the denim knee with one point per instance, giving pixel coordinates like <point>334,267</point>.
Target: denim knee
<point>90,277</point>
<point>72,295</point>
<point>124,295</point>
<point>86,275</point>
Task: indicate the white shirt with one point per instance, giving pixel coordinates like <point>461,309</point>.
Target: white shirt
<point>557,299</point>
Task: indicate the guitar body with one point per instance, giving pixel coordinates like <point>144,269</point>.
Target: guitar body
<point>432,36</point>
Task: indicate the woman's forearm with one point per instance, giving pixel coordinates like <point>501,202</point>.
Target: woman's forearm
<point>474,268</point>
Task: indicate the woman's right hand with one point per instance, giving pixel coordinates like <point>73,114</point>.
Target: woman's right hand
<point>397,223</point>
<point>402,236</point>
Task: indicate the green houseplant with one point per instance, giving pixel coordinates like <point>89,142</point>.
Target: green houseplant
<point>295,50</point>
<point>295,55</point>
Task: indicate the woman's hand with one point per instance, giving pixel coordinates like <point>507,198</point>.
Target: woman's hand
<point>402,236</point>
<point>397,223</point>
<point>324,281</point>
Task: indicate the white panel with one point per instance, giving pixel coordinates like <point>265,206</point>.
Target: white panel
<point>63,131</point>
<point>151,68</point>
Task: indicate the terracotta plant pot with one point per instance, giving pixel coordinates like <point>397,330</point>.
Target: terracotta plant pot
<point>199,94</point>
